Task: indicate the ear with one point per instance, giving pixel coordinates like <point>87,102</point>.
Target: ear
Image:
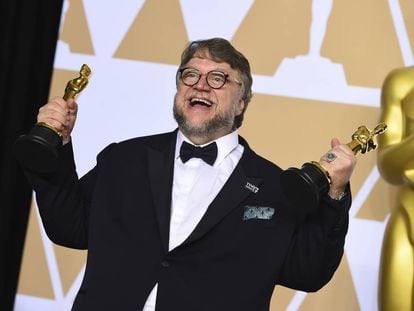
<point>240,107</point>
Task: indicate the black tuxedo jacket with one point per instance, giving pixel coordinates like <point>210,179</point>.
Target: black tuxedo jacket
<point>120,212</point>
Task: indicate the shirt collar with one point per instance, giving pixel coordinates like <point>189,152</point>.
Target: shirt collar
<point>225,145</point>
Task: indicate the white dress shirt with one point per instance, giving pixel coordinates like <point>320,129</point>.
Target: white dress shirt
<point>195,185</point>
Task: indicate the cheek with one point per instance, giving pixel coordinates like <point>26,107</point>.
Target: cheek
<point>227,104</point>
<point>179,96</point>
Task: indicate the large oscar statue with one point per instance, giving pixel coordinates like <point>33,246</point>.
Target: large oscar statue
<point>38,151</point>
<point>396,166</point>
<point>305,186</point>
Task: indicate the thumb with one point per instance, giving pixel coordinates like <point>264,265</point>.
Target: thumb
<point>71,103</point>
<point>73,107</point>
<point>335,142</point>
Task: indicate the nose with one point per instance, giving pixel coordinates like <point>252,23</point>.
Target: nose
<point>202,83</point>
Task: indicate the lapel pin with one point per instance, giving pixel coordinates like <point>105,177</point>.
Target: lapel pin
<point>251,187</point>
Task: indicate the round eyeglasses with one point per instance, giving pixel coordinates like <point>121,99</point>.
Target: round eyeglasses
<point>215,79</point>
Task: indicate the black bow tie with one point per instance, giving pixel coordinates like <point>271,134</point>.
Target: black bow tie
<point>208,153</point>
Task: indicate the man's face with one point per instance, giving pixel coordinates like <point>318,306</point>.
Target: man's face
<point>202,112</point>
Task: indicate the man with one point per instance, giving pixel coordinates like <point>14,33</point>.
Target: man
<point>165,231</point>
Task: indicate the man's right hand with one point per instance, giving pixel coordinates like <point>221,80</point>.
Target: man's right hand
<point>61,115</point>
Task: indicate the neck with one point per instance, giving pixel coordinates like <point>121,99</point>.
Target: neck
<point>198,139</point>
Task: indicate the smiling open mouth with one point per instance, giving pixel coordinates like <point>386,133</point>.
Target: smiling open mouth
<point>200,101</point>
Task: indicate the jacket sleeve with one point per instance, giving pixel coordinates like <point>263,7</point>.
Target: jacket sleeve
<point>64,201</point>
<point>317,246</point>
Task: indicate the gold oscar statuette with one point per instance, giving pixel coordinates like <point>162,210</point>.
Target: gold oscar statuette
<point>395,160</point>
<point>305,186</point>
<point>39,150</point>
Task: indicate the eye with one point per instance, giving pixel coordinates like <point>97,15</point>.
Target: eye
<point>190,74</point>
<point>217,78</point>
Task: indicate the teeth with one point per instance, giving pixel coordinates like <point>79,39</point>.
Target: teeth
<point>194,100</point>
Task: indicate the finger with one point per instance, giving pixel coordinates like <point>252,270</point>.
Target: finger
<point>56,105</point>
<point>345,149</point>
<point>59,101</point>
<point>52,112</point>
<point>53,108</point>
<point>335,142</point>
<point>54,116</point>
<point>330,156</point>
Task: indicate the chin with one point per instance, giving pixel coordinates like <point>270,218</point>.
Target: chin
<point>202,127</point>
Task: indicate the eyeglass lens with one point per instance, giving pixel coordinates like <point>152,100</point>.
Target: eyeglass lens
<point>215,79</point>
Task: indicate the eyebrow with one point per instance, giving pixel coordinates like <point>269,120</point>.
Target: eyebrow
<point>217,69</point>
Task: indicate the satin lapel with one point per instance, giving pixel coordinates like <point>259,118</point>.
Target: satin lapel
<point>234,191</point>
<point>161,167</point>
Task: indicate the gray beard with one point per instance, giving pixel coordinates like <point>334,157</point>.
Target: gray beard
<point>208,128</point>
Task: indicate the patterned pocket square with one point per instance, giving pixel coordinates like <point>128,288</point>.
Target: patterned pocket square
<point>258,212</point>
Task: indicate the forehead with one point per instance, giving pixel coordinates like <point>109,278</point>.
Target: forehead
<point>204,63</point>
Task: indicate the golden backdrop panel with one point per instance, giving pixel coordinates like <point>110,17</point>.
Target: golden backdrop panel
<point>158,34</point>
<point>407,8</point>
<point>75,30</point>
<point>270,33</point>
<point>361,35</point>
<point>338,295</point>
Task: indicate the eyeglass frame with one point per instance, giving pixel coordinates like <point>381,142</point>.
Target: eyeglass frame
<point>200,74</point>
